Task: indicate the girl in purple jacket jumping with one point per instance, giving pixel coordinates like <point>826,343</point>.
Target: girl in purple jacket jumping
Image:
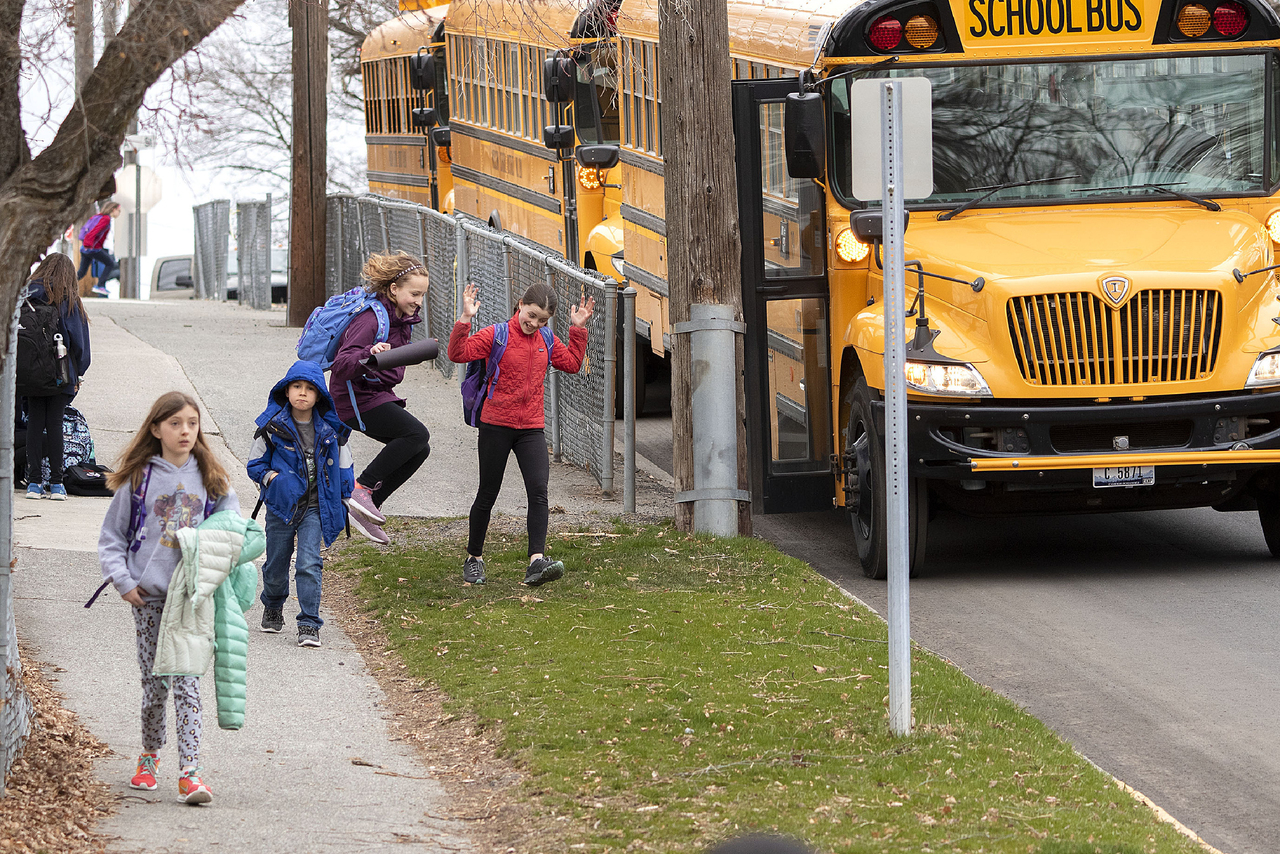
<point>400,280</point>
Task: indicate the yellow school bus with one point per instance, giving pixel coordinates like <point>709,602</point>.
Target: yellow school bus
<point>1095,320</point>
<point>408,159</point>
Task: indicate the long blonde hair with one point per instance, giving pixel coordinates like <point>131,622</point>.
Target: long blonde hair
<point>381,271</point>
<point>145,445</point>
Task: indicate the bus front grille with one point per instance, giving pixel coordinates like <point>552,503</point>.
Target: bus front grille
<point>1159,336</point>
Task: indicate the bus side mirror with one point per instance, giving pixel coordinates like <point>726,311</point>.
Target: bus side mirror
<point>598,156</point>
<point>559,76</point>
<point>424,117</point>
<point>868,226</point>
<point>422,71</point>
<point>442,137</point>
<point>558,137</point>
<point>805,135</point>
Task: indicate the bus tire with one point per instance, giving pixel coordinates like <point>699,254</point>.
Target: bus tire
<point>865,487</point>
<point>1269,516</point>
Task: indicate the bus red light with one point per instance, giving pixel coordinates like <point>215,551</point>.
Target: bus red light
<point>1230,19</point>
<point>885,33</point>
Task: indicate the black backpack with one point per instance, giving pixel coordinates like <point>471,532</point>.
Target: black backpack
<point>37,368</point>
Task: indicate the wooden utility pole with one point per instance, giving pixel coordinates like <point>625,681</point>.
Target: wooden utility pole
<point>704,247</point>
<point>310,22</point>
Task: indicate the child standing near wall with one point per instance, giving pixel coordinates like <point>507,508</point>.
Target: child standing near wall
<point>512,417</point>
<point>301,463</point>
<point>166,479</point>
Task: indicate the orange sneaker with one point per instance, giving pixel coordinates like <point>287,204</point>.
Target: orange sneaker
<point>192,790</point>
<point>145,776</point>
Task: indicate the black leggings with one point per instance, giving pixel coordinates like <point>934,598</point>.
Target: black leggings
<point>408,444</point>
<point>496,445</point>
<point>44,435</point>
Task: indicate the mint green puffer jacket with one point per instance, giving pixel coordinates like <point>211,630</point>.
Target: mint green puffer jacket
<point>203,619</point>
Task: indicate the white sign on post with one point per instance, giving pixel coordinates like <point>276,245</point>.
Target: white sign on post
<point>865,99</point>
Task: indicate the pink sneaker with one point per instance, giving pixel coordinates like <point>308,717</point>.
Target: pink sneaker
<point>369,529</point>
<point>361,501</point>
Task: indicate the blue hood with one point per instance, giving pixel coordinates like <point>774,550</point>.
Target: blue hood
<point>278,400</point>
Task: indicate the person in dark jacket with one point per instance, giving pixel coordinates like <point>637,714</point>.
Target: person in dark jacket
<point>365,398</point>
<point>54,283</point>
<point>300,461</point>
<point>92,247</point>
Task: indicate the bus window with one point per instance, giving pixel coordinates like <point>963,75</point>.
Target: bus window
<point>792,207</point>
<point>596,97</point>
<point>1197,123</point>
<point>799,399</point>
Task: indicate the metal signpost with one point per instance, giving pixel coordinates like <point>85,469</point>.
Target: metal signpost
<point>900,178</point>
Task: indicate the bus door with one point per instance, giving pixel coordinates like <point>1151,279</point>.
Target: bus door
<point>785,305</point>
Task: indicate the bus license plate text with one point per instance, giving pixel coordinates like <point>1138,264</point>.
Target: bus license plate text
<point>1124,476</point>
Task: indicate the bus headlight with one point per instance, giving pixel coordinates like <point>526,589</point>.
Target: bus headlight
<point>850,248</point>
<point>1266,371</point>
<point>958,379</point>
<point>616,260</point>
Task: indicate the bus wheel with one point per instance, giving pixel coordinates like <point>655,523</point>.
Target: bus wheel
<point>866,486</point>
<point>642,344</point>
<point>1269,516</point>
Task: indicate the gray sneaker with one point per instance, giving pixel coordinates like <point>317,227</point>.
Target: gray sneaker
<point>368,529</point>
<point>473,570</point>
<point>308,636</point>
<point>543,570</point>
<point>272,620</point>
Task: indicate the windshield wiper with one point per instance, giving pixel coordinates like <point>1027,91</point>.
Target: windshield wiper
<point>1159,188</point>
<point>991,191</point>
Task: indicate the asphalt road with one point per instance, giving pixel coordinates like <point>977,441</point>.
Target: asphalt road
<point>1147,640</point>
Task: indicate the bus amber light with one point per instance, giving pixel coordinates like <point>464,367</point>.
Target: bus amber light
<point>589,177</point>
<point>885,33</point>
<point>849,248</point>
<point>922,32</point>
<point>1273,226</point>
<point>1230,19</point>
<point>1193,20</point>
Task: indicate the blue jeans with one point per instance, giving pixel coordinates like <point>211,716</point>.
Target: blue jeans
<point>275,572</point>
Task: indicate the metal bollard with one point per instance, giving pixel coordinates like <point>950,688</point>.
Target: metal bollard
<point>610,360</point>
<point>629,400</point>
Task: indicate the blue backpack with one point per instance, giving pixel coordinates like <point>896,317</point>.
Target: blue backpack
<point>477,383</point>
<point>324,328</point>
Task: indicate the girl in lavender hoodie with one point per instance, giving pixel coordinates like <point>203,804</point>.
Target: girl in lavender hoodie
<point>166,479</point>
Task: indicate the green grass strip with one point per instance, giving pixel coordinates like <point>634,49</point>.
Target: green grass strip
<point>671,691</point>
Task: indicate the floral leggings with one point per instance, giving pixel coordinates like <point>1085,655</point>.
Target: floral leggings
<point>155,691</point>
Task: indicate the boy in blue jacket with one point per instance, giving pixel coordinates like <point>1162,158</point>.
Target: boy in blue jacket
<point>303,468</point>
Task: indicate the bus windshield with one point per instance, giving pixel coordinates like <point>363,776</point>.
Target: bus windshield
<point>1111,128</point>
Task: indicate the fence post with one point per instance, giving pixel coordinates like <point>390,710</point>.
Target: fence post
<point>556,448</point>
<point>422,254</point>
<point>610,360</point>
<point>360,231</point>
<point>506,274</point>
<point>386,229</point>
<point>339,268</point>
<point>629,400</point>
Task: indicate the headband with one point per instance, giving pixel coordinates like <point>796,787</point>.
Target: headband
<point>406,272</point>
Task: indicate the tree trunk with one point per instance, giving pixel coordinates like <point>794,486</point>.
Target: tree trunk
<point>704,250</point>
<point>39,196</point>
<point>82,21</point>
<point>310,24</point>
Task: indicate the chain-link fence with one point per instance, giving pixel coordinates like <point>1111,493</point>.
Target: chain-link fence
<point>459,249</point>
<point>212,233</point>
<point>253,253</point>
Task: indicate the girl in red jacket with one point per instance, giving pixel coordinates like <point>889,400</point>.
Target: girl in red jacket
<point>512,416</point>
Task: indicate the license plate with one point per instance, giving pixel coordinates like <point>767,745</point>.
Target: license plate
<point>1124,476</point>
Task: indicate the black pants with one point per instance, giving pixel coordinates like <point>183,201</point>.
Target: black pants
<point>495,445</point>
<point>44,435</point>
<point>103,257</point>
<point>408,444</point>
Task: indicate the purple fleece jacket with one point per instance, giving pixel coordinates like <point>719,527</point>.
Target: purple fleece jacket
<point>372,388</point>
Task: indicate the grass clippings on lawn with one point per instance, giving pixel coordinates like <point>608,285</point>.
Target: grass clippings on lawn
<point>52,801</point>
<point>671,691</point>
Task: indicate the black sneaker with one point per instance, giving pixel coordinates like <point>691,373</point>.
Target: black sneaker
<point>473,570</point>
<point>272,620</point>
<point>308,636</point>
<point>543,570</point>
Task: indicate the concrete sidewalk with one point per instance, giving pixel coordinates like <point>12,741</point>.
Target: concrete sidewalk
<point>286,782</point>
